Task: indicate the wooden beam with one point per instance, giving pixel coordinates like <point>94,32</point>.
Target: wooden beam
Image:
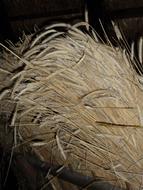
<point>20,8</point>
<point>5,27</point>
<point>115,5</point>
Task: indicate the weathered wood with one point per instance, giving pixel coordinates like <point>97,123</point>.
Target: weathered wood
<point>19,8</point>
<point>113,5</point>
<point>127,14</point>
<point>132,28</point>
<point>5,27</point>
<point>24,15</point>
<point>27,25</point>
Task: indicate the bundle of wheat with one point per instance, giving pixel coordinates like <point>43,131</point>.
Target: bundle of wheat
<point>77,102</point>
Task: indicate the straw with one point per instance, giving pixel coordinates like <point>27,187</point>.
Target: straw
<point>71,82</point>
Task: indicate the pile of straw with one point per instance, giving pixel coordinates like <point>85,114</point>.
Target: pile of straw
<point>78,103</point>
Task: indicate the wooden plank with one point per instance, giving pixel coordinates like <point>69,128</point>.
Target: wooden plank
<point>5,27</point>
<point>126,13</point>
<point>25,14</point>
<point>113,5</point>
<point>19,8</point>
<point>132,28</point>
<point>27,25</point>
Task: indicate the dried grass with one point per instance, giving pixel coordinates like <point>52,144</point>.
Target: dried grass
<point>81,99</point>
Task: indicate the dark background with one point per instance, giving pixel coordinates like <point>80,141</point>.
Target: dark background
<point>17,16</point>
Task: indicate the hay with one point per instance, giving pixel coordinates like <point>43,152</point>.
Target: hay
<point>78,102</point>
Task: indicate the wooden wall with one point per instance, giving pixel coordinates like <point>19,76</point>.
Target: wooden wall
<point>122,4</point>
<point>23,15</point>
<point>17,8</point>
<point>128,14</point>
